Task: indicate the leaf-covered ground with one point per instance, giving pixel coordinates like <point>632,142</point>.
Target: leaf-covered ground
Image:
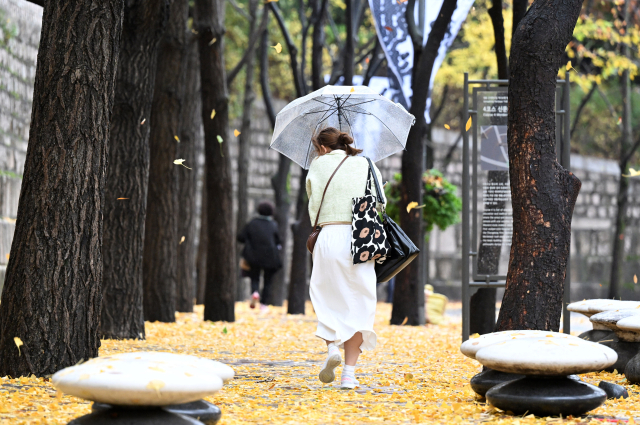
<point>415,375</point>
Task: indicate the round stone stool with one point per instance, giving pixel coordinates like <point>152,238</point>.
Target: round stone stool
<point>201,410</point>
<point>137,416</point>
<point>625,342</point>
<point>488,378</point>
<point>547,389</point>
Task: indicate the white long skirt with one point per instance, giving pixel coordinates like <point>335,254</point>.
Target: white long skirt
<point>343,294</point>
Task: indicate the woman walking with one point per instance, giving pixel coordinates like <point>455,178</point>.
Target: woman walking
<point>343,294</point>
<point>261,251</point>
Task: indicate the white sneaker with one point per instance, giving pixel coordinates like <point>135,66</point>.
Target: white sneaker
<point>327,374</point>
<point>349,382</point>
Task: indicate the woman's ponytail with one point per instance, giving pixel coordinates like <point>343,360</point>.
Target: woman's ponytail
<point>333,138</point>
<point>344,141</point>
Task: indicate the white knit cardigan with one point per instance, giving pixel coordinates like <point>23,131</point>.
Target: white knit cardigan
<point>348,183</point>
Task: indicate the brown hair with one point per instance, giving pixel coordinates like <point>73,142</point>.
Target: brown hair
<point>333,139</point>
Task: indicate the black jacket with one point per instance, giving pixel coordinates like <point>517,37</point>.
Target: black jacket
<point>261,239</point>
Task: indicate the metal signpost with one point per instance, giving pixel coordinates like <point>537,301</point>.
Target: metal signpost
<point>485,166</point>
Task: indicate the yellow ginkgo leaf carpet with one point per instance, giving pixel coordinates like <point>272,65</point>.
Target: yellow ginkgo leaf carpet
<point>415,375</point>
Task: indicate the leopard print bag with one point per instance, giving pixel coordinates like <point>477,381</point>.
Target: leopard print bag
<point>368,238</point>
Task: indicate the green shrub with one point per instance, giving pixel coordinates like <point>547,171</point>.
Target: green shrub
<point>442,205</point>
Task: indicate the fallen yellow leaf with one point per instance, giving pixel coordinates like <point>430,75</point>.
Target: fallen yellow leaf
<point>156,385</point>
<point>353,89</point>
<point>278,47</point>
<point>18,342</point>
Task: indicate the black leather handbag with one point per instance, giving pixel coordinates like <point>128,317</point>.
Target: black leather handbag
<point>403,251</point>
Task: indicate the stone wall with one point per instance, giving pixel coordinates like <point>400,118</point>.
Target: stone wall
<point>20,24</point>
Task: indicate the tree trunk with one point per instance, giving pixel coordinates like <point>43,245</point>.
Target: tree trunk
<point>349,46</point>
<point>191,122</point>
<point>128,170</point>
<point>543,193</point>
<point>201,282</point>
<point>160,264</point>
<point>408,295</point>
<point>495,12</point>
<point>617,257</point>
<point>299,257</point>
<point>52,294</point>
<point>318,39</point>
<point>219,296</point>
<point>244,143</point>
<point>278,180</point>
<point>519,10</point>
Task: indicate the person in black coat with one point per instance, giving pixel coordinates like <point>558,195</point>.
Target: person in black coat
<point>261,250</point>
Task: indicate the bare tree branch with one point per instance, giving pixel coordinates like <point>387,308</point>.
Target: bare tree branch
<point>293,50</point>
<point>264,76</point>
<point>581,107</point>
<point>629,154</point>
<point>252,42</point>
<point>377,59</point>
<point>239,9</point>
<point>607,101</point>
<point>436,114</point>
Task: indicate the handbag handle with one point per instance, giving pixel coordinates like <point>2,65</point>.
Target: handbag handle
<point>375,180</point>
<point>325,190</point>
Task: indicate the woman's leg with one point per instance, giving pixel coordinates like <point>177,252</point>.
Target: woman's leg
<point>254,274</point>
<point>352,349</point>
<point>334,359</point>
<point>266,286</point>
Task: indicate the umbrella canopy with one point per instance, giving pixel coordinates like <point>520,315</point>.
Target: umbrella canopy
<point>378,126</point>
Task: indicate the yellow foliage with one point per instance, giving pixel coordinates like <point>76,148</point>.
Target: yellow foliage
<point>416,375</point>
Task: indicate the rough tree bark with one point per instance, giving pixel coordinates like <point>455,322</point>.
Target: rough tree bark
<point>626,151</point>
<point>191,123</point>
<point>160,264</point>
<point>221,250</point>
<point>408,292</point>
<point>244,142</point>
<point>128,170</point>
<point>543,193</point>
<point>52,293</point>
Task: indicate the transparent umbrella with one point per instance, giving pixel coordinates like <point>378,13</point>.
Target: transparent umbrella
<point>378,126</point>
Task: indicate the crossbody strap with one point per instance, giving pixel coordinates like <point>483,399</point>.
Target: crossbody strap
<point>325,189</point>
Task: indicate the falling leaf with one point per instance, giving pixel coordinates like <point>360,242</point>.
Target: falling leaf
<point>468,126</point>
<point>181,240</point>
<point>180,162</point>
<point>143,121</point>
<point>220,142</point>
<point>414,206</point>
<point>213,113</point>
<point>120,199</point>
<point>404,322</point>
<point>213,40</point>
<point>569,66</point>
<point>156,385</point>
<point>366,60</point>
<point>18,342</point>
<point>177,139</point>
<point>194,31</point>
<point>632,173</point>
<point>353,89</point>
<point>619,120</point>
<point>224,330</point>
<point>236,132</point>
<point>635,278</point>
<point>7,256</point>
<point>272,385</point>
<point>278,47</point>
<point>388,28</point>
<point>447,127</point>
